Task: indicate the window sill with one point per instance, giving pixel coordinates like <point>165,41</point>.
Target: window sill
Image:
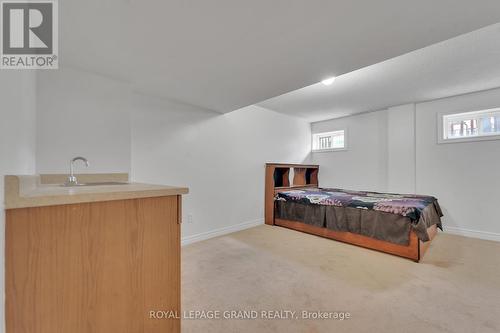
<point>328,150</point>
<point>470,139</point>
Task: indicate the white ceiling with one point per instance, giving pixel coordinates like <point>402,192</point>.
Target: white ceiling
<point>467,63</point>
<point>226,54</point>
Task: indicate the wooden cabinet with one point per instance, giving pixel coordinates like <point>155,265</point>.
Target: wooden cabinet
<point>96,267</point>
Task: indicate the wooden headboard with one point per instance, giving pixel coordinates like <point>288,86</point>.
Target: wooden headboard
<point>278,178</point>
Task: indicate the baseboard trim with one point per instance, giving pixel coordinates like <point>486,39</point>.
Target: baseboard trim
<point>473,233</point>
<point>221,231</point>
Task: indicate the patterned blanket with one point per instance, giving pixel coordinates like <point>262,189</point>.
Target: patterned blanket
<point>407,205</point>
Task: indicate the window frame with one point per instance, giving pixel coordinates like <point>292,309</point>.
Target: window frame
<point>314,135</point>
<point>441,130</point>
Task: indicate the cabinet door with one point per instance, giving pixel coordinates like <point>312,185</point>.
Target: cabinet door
<point>93,267</point>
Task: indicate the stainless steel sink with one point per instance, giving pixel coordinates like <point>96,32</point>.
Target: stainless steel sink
<point>95,184</point>
<point>72,181</point>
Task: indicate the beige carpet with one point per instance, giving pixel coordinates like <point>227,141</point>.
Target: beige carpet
<point>456,288</point>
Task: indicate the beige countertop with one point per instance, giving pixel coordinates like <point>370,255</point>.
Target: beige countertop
<point>47,190</point>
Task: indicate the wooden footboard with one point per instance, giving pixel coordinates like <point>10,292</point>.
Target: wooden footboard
<point>414,250</point>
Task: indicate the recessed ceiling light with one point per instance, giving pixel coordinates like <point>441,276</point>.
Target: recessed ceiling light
<point>328,81</point>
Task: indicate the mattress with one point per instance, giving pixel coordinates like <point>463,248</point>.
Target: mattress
<point>384,216</point>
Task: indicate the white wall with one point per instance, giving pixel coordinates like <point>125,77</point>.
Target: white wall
<point>363,165</point>
<point>82,114</point>
<point>464,176</point>
<point>17,141</point>
<point>401,176</point>
<point>219,157</point>
<point>390,150</point>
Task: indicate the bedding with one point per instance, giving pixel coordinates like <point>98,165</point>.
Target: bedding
<point>384,216</point>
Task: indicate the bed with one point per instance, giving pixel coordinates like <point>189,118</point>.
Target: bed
<point>399,224</point>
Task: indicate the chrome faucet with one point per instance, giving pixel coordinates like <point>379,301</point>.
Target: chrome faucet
<point>72,178</point>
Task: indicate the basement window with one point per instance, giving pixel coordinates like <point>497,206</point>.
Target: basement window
<point>470,126</point>
<point>329,141</point>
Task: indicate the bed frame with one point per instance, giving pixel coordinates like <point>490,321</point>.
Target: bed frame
<point>305,175</point>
